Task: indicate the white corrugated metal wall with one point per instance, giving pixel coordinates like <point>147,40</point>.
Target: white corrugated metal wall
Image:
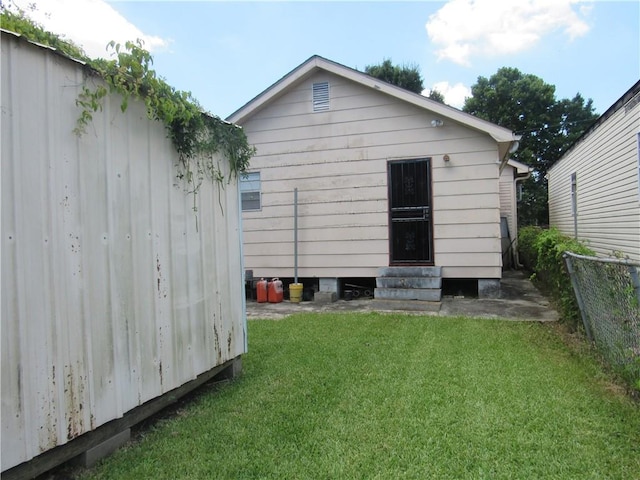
<point>111,295</point>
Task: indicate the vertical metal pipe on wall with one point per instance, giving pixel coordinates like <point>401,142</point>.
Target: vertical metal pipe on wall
<point>295,235</point>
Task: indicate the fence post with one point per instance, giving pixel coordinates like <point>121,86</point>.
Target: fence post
<point>576,290</point>
<point>633,271</point>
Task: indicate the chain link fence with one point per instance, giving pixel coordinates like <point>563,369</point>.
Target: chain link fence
<point>608,294</point>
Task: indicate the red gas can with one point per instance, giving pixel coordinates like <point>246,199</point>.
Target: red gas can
<point>275,290</point>
<point>261,290</point>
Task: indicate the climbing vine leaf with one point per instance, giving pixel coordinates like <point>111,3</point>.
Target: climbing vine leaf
<point>196,135</point>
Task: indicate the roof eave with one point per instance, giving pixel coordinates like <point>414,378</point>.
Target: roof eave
<point>272,92</point>
<point>42,45</point>
<point>499,134</point>
<point>522,170</point>
<point>504,137</point>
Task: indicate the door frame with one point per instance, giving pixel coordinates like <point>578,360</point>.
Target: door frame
<point>431,261</point>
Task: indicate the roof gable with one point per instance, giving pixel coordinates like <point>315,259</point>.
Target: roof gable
<point>504,137</point>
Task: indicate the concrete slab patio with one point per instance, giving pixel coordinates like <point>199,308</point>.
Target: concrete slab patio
<point>519,300</point>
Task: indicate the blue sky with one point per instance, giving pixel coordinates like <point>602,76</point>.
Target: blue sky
<point>226,53</point>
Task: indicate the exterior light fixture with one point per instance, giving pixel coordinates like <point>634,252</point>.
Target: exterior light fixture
<point>446,158</point>
<point>437,123</point>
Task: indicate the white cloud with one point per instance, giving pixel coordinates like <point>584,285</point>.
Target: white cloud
<point>463,29</point>
<point>88,23</point>
<point>454,95</point>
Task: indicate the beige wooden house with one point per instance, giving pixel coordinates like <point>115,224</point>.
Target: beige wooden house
<point>385,178</point>
<point>594,189</point>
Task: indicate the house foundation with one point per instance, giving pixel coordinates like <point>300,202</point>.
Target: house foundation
<point>325,297</point>
<point>328,290</point>
<point>488,288</point>
<point>331,285</point>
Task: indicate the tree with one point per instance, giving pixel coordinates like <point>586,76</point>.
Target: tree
<point>405,76</point>
<point>436,96</point>
<point>527,105</point>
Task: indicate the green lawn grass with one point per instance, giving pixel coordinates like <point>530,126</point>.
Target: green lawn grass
<point>373,396</point>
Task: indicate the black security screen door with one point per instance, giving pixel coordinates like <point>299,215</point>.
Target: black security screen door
<point>410,219</point>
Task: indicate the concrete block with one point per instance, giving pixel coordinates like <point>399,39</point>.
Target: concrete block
<point>428,295</point>
<point>92,456</point>
<point>489,288</point>
<point>325,297</point>
<point>410,272</point>
<point>409,282</point>
<point>232,371</point>
<point>329,285</point>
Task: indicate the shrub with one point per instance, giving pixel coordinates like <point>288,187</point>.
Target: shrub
<point>541,251</point>
<point>526,246</point>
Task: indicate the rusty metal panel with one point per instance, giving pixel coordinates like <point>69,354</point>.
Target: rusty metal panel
<point>114,291</point>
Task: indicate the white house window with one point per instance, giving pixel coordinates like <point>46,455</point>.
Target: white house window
<point>250,191</point>
<point>321,97</point>
<point>574,203</point>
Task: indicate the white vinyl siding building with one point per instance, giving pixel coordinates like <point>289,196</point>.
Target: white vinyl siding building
<point>339,159</point>
<point>594,188</point>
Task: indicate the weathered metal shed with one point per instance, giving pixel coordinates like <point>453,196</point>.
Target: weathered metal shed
<point>116,296</point>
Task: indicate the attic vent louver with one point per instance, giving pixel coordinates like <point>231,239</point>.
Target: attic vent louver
<point>321,97</point>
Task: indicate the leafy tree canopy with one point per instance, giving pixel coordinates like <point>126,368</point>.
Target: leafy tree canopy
<point>436,95</point>
<point>405,76</point>
<point>527,105</point>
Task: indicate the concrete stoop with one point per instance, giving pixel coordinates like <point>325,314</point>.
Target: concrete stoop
<point>409,283</point>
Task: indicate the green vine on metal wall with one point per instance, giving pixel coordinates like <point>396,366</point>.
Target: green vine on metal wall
<point>197,136</point>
